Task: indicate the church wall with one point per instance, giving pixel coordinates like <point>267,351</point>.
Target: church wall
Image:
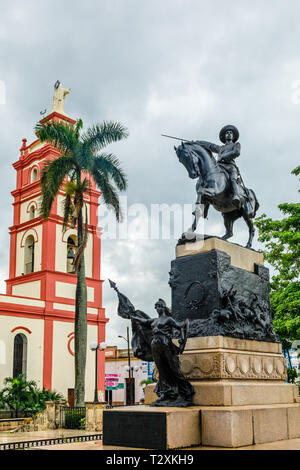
<point>61,248</point>
<point>62,289</point>
<point>35,346</point>
<point>21,302</point>
<point>24,210</point>
<point>61,251</point>
<point>88,257</point>
<point>60,207</point>
<point>63,346</point>
<point>28,289</point>
<point>21,236</point>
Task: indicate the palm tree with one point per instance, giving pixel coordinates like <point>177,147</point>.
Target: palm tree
<point>82,158</point>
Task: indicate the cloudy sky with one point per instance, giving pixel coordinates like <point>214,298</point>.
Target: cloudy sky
<point>181,67</point>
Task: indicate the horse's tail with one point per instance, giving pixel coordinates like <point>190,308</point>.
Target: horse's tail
<point>253,199</point>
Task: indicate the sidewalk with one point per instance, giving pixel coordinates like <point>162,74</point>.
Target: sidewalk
<point>56,434</point>
<point>7,437</point>
<point>292,444</point>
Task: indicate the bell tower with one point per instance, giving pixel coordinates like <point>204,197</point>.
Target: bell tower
<point>41,284</point>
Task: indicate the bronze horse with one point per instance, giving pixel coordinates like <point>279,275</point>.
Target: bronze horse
<point>213,188</point>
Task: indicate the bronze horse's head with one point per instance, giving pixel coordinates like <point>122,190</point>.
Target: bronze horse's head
<point>188,160</point>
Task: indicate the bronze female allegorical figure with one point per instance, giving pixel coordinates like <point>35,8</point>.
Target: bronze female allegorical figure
<point>152,341</point>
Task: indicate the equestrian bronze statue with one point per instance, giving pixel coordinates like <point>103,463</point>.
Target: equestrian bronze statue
<point>219,182</point>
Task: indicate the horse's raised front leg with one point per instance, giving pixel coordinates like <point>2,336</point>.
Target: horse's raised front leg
<point>197,213</point>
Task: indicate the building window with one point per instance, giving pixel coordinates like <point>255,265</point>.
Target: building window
<point>29,255</point>
<point>71,250</point>
<point>20,355</point>
<point>32,212</point>
<point>34,175</point>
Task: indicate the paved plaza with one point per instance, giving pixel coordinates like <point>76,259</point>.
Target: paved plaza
<point>6,437</point>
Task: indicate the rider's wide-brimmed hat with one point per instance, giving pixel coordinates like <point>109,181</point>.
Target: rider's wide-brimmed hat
<point>229,127</point>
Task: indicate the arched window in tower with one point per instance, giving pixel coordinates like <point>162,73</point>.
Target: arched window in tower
<point>29,255</point>
<point>32,212</point>
<point>71,250</point>
<point>34,175</point>
<point>20,355</point>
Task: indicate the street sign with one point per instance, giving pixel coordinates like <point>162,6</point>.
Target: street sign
<point>114,387</point>
<point>111,381</point>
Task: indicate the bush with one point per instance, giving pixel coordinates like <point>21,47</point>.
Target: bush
<point>24,396</point>
<point>147,382</point>
<point>292,374</point>
<point>74,418</point>
<point>82,423</point>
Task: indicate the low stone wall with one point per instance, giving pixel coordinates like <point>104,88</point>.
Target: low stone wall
<point>50,418</point>
<point>10,423</point>
<point>94,416</point>
<point>47,419</point>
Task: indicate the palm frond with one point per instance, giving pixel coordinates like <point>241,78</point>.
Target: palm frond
<point>53,174</point>
<point>61,135</point>
<point>100,135</point>
<point>109,163</point>
<point>78,126</point>
<point>84,156</point>
<point>109,193</point>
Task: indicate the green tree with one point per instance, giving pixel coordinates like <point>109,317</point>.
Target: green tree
<point>81,158</point>
<point>282,251</point>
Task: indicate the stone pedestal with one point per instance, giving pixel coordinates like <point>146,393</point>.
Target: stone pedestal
<point>240,257</point>
<point>151,428</point>
<point>239,391</point>
<point>247,425</point>
<point>223,289</point>
<point>232,358</point>
<point>94,416</point>
<point>228,371</point>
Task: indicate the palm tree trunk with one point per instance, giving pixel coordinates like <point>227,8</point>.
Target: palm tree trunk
<point>80,325</point>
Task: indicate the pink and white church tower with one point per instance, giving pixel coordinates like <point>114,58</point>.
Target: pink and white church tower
<point>37,311</point>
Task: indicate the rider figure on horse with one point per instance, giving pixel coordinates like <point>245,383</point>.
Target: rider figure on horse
<point>227,154</point>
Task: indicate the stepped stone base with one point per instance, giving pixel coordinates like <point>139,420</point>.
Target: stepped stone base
<point>248,425</point>
<point>230,371</point>
<point>222,426</point>
<point>151,428</point>
<point>240,399</point>
<point>230,393</point>
<point>240,393</point>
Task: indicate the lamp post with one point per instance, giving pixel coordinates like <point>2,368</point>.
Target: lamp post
<point>128,368</point>
<point>95,346</point>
